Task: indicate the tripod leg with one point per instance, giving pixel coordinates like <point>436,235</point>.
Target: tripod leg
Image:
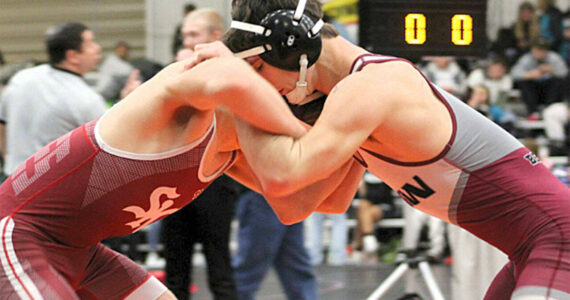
<point>430,281</point>
<point>389,282</point>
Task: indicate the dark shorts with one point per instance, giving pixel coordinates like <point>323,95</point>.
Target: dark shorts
<point>517,205</point>
<point>378,193</point>
<point>33,267</point>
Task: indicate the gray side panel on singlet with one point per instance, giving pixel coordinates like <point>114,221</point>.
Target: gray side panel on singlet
<point>478,141</point>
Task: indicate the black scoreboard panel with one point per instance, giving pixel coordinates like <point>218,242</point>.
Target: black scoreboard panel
<point>415,28</point>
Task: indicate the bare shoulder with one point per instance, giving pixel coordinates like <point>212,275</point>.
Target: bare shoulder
<point>395,82</point>
<point>377,86</point>
<point>391,76</point>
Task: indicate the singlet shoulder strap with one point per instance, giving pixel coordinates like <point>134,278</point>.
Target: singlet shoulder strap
<point>364,59</point>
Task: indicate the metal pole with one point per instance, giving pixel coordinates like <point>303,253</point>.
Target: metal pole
<point>389,282</point>
<point>430,281</point>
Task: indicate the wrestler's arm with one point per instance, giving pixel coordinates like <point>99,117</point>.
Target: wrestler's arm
<point>351,113</point>
<point>330,195</point>
<point>340,199</point>
<point>231,82</point>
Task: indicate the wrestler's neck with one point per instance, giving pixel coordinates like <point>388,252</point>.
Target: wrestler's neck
<point>335,62</point>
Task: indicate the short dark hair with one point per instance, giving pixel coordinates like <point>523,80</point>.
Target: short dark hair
<point>122,44</point>
<point>63,37</point>
<point>189,7</point>
<point>253,11</point>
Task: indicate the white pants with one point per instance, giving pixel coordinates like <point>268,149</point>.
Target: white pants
<point>555,117</point>
<point>475,264</point>
<point>414,221</point>
<point>337,254</point>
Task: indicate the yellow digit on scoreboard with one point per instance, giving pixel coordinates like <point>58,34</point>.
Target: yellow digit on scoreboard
<point>462,30</point>
<point>415,29</point>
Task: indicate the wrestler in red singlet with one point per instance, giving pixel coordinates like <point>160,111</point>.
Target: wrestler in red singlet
<point>77,191</point>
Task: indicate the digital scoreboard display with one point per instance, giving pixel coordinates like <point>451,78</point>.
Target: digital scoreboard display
<point>415,28</point>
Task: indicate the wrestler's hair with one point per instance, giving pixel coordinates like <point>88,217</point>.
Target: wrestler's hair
<point>63,37</point>
<point>253,11</point>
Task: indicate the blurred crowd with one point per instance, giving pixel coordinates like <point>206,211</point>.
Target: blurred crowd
<point>523,85</point>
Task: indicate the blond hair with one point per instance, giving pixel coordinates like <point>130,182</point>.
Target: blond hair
<point>533,26</point>
<point>210,16</point>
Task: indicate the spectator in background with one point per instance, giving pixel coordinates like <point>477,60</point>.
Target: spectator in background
<point>263,241</point>
<point>550,23</point>
<point>480,101</point>
<point>556,119</point>
<point>540,76</point>
<point>565,52</point>
<point>565,45</point>
<point>475,264</point>
<point>376,200</point>
<point>202,26</point>
<point>114,73</point>
<point>42,103</point>
<point>177,38</point>
<point>496,78</point>
<point>414,222</point>
<point>526,27</point>
<point>446,73</point>
<point>207,220</point>
<point>514,41</point>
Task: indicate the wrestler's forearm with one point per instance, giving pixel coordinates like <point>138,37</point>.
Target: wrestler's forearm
<point>255,101</point>
<point>336,191</point>
<point>332,195</point>
<point>283,164</point>
<point>231,82</point>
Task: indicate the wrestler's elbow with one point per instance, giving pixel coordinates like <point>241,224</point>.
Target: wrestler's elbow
<point>327,208</point>
<point>277,186</point>
<point>290,218</point>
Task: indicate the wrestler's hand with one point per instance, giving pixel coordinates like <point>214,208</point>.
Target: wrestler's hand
<point>184,54</point>
<point>203,52</point>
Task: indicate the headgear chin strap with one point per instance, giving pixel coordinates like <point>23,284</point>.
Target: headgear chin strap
<point>300,95</point>
<point>283,37</point>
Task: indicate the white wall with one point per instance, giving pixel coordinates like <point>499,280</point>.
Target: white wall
<point>162,17</point>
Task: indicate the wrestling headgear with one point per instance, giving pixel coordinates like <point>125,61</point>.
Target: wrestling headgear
<point>284,36</point>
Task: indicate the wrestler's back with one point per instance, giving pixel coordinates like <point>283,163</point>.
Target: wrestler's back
<point>76,193</point>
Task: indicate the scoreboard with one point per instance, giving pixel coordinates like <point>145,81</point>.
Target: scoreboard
<point>415,28</point>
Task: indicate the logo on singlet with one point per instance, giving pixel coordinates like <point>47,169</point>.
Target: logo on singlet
<point>157,209</point>
<point>532,158</point>
<point>37,165</point>
<point>411,191</point>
